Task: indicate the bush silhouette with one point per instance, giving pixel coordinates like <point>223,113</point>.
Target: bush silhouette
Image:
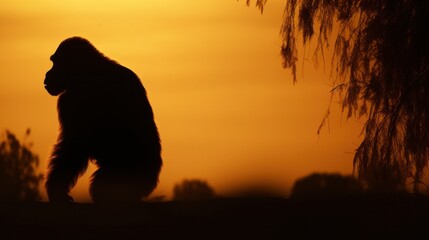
<point>19,180</point>
<point>193,190</point>
<point>325,185</point>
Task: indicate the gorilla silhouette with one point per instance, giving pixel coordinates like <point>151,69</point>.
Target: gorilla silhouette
<point>105,117</point>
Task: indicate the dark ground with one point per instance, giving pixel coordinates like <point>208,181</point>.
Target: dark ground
<point>358,217</point>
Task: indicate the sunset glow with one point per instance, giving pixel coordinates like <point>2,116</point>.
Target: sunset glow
<point>227,112</point>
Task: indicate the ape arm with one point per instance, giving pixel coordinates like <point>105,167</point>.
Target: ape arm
<point>68,161</point>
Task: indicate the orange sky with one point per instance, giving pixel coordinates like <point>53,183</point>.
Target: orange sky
<point>227,111</point>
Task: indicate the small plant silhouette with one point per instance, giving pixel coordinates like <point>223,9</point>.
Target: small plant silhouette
<point>19,180</point>
<point>193,190</point>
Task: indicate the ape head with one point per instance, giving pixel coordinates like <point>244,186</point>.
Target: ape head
<point>74,59</point>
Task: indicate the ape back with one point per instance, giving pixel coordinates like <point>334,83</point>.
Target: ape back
<point>105,116</point>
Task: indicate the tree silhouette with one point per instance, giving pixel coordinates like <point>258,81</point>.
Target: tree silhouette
<point>193,190</point>
<point>18,178</point>
<point>381,61</point>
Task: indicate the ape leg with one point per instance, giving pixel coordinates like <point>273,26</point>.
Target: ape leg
<point>124,184</point>
<point>114,186</point>
<point>68,162</point>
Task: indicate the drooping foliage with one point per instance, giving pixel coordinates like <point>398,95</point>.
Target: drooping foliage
<point>381,61</point>
<point>19,180</point>
<point>258,3</point>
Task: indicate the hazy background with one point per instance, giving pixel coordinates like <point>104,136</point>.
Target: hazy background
<point>226,110</point>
